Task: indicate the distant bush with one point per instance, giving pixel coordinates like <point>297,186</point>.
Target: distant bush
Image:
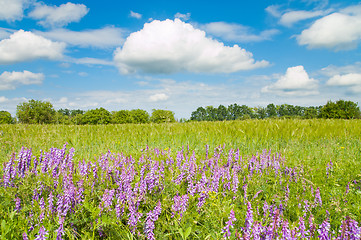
<point>34,111</point>
<point>162,116</point>
<point>96,116</point>
<point>5,118</point>
<point>122,116</point>
<point>341,109</point>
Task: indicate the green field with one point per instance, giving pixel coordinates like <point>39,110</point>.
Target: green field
<point>305,145</point>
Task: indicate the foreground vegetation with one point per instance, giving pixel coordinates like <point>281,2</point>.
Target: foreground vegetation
<point>191,180</point>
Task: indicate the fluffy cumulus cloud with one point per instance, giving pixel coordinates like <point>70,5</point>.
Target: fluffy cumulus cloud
<point>58,15</point>
<point>237,32</point>
<point>338,31</point>
<point>174,46</point>
<point>12,10</point>
<point>295,82</point>
<point>348,77</point>
<point>24,46</point>
<point>100,38</point>
<point>10,80</point>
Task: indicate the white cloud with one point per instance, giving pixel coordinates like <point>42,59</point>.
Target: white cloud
<point>135,15</point>
<point>91,61</point>
<point>339,31</point>
<point>236,32</point>
<point>274,10</point>
<point>292,17</point>
<point>185,17</point>
<point>350,79</point>
<point>174,46</point>
<point>295,82</point>
<point>25,46</point>
<point>3,99</point>
<point>12,10</point>
<point>58,16</point>
<point>333,70</point>
<point>158,97</point>
<point>10,80</point>
<point>100,38</point>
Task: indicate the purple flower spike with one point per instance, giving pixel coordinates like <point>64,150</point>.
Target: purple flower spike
<point>318,200</point>
<point>180,204</point>
<point>152,216</point>
<point>324,230</point>
<point>229,224</point>
<point>249,222</point>
<point>17,204</point>
<point>25,236</point>
<point>42,234</point>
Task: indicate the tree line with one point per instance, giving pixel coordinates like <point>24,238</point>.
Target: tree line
<point>42,112</point>
<point>340,109</point>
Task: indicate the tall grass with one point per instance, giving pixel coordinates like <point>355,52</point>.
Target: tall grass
<point>307,147</point>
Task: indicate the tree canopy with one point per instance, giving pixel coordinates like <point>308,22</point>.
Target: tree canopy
<point>35,112</point>
<point>5,117</point>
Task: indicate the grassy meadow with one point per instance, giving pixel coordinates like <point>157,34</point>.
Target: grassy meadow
<point>317,155</point>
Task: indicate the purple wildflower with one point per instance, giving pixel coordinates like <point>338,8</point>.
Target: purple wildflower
<point>324,230</point>
<point>265,208</point>
<point>249,222</point>
<point>9,172</point>
<point>107,199</point>
<point>180,204</point>
<point>60,231</point>
<point>17,204</point>
<point>42,204</point>
<point>25,236</point>
<point>42,234</point>
<point>201,200</point>
<point>51,204</point>
<point>354,230</point>
<point>286,232</point>
<point>134,217</point>
<point>318,200</point>
<point>229,224</point>
<point>302,228</point>
<point>152,216</point>
<point>235,182</point>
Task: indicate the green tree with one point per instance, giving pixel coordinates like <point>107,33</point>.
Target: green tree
<point>139,116</point>
<point>234,111</point>
<point>310,112</point>
<point>122,116</point>
<point>96,116</point>
<point>75,112</point>
<point>261,112</point>
<point>222,113</point>
<point>34,111</point>
<point>77,119</point>
<point>162,116</point>
<point>271,110</point>
<point>199,115</point>
<point>340,109</point>
<point>5,118</point>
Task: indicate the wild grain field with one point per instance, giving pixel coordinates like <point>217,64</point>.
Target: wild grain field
<point>251,179</point>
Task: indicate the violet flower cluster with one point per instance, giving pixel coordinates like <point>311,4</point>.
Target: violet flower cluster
<point>123,189</point>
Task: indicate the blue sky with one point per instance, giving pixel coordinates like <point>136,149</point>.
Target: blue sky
<point>178,55</point>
